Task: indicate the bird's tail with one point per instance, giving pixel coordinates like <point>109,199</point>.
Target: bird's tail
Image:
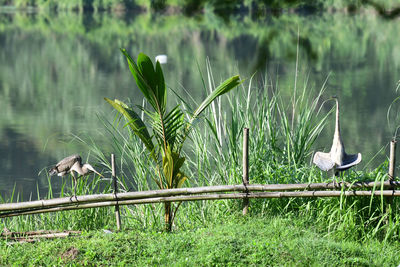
<point>53,171</point>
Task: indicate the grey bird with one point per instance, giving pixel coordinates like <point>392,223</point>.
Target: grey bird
<point>72,165</point>
<point>337,157</point>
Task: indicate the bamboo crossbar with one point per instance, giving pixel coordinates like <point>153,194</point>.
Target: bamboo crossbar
<point>35,233</point>
<point>86,199</point>
<point>205,197</point>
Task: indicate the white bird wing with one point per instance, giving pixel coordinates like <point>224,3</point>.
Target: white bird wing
<point>349,161</point>
<point>323,161</point>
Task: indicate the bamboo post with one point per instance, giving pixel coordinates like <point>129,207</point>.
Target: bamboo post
<point>392,160</point>
<point>246,168</point>
<point>392,173</point>
<point>114,178</point>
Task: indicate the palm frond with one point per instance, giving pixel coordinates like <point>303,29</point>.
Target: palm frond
<point>134,121</point>
<point>149,80</point>
<point>168,129</point>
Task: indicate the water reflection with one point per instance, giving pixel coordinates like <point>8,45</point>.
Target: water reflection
<point>58,69</point>
<point>20,164</point>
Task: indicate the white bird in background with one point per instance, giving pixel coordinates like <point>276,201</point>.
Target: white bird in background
<point>337,157</point>
<point>70,165</point>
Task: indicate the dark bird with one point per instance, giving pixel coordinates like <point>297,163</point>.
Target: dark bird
<point>72,165</point>
<point>337,157</point>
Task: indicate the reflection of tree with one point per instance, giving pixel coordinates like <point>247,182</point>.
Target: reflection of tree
<point>386,14</point>
<point>20,163</point>
<point>264,56</point>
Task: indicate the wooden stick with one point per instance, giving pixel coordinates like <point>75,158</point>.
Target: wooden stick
<point>392,160</point>
<point>53,235</point>
<point>394,193</point>
<point>56,202</point>
<point>117,215</point>
<point>391,174</point>
<point>35,233</point>
<point>245,168</point>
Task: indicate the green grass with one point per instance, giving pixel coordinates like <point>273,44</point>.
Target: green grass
<point>233,241</point>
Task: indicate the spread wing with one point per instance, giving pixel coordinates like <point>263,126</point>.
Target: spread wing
<point>323,161</point>
<point>349,161</point>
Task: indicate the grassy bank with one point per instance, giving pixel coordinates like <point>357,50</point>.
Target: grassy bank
<point>238,241</point>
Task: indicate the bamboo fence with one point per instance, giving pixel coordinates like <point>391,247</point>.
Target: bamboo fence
<point>243,191</point>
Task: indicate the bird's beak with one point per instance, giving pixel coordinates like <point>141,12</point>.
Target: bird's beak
<point>96,172</point>
<point>93,170</point>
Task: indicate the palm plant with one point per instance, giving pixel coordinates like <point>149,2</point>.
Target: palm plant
<point>168,129</point>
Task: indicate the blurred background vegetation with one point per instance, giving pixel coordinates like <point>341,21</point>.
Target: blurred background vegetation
<point>221,7</point>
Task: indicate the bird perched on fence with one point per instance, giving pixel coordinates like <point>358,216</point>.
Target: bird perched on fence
<point>337,157</point>
<point>72,164</point>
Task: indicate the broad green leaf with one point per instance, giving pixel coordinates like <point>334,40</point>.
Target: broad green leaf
<point>179,178</point>
<point>147,70</point>
<point>172,163</point>
<point>168,167</point>
<point>161,89</point>
<point>141,81</point>
<point>154,78</point>
<point>134,121</point>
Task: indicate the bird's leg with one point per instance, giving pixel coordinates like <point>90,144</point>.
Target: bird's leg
<point>335,183</point>
<point>75,182</point>
<point>73,176</point>
<point>342,176</point>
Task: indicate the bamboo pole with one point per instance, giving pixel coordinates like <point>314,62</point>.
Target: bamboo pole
<point>391,173</point>
<point>392,160</point>
<point>246,168</point>
<point>394,193</point>
<point>34,233</point>
<point>117,215</point>
<point>56,202</point>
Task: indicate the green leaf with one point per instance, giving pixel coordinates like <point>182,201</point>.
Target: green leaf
<point>180,178</point>
<point>161,89</point>
<point>223,88</point>
<point>168,168</point>
<point>173,122</point>
<point>172,163</point>
<point>142,81</point>
<point>134,121</point>
<point>147,70</point>
<point>150,80</point>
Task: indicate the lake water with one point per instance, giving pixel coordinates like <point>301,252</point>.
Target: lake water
<point>56,69</point>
